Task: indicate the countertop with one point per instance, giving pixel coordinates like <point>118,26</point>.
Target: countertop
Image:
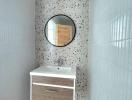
<point>54,71</point>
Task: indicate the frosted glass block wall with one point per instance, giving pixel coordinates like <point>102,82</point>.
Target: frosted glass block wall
<point>110,50</point>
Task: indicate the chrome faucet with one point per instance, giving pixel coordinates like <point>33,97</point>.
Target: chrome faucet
<point>60,62</point>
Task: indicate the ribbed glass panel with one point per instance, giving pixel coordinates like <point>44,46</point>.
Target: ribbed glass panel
<point>110,50</point>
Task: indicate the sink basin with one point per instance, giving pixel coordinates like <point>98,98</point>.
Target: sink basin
<point>54,71</point>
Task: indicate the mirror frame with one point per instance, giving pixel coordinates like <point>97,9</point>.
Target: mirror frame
<point>73,33</point>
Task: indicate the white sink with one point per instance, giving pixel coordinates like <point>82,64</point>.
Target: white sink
<point>54,71</point>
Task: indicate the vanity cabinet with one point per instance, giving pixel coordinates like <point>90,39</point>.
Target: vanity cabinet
<point>51,86</point>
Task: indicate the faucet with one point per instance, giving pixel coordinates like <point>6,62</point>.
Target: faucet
<point>60,62</point>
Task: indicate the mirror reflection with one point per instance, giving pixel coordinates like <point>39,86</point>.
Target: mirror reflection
<point>60,30</point>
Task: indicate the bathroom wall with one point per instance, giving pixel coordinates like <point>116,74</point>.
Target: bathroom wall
<point>76,53</point>
<point>17,48</point>
<point>110,50</point>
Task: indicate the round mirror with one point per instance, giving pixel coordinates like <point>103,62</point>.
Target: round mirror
<point>60,30</point>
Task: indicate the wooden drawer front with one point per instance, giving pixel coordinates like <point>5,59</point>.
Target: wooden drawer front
<point>53,80</point>
<point>51,93</point>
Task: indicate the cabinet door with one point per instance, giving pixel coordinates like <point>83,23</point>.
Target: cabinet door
<point>51,93</point>
<point>53,80</point>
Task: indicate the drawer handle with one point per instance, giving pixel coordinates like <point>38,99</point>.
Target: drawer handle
<point>51,90</point>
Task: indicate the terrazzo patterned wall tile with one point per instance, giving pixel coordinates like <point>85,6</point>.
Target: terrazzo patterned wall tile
<point>75,54</point>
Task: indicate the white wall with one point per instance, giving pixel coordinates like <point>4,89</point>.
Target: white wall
<point>110,50</point>
<point>17,48</point>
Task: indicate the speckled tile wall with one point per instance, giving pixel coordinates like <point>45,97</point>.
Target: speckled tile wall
<point>75,54</point>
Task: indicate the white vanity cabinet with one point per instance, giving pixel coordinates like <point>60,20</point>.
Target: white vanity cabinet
<point>51,83</point>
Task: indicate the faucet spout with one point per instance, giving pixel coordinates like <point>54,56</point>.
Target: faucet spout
<point>60,62</point>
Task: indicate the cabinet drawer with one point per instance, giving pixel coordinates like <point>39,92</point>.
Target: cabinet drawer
<point>53,80</point>
<point>51,93</point>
